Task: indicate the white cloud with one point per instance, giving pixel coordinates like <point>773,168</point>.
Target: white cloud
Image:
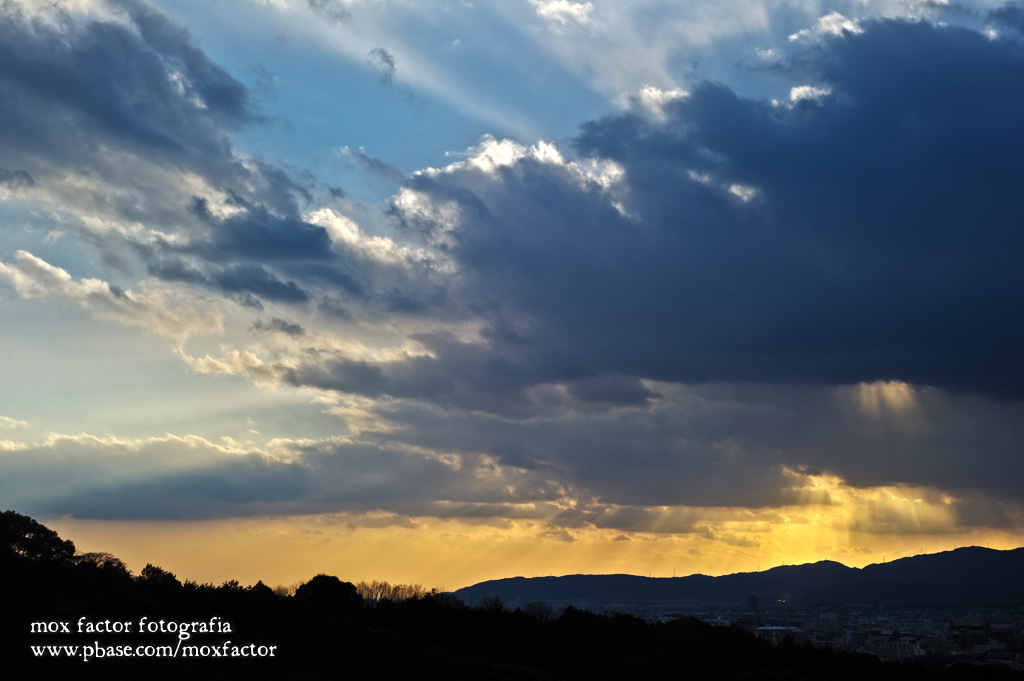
<point>6,423</point>
<point>563,11</point>
<point>33,277</point>
<point>744,192</point>
<point>238,363</point>
<point>833,23</point>
<point>652,100</point>
<point>350,238</point>
<point>490,155</point>
<point>809,92</point>
<point>54,13</point>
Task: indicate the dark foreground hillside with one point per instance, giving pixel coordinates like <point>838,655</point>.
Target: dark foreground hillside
<point>57,604</point>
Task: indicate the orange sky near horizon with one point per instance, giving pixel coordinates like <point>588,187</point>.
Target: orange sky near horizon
<point>859,527</point>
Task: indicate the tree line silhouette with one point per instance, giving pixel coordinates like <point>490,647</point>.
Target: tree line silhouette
<point>331,629</point>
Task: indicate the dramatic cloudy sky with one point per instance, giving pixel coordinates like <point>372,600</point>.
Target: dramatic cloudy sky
<point>443,291</point>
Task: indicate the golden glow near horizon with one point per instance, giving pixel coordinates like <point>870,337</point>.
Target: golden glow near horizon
<point>856,527</point>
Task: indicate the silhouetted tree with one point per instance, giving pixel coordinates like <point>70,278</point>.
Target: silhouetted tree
<point>23,537</point>
<point>539,609</point>
<point>261,590</point>
<point>380,590</point>
<point>159,582</point>
<point>326,594</point>
<point>102,561</point>
<point>492,604</point>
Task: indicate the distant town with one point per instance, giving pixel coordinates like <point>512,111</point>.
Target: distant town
<point>957,607</point>
<point>989,636</point>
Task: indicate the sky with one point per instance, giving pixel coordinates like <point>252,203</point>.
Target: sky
<point>440,291</point>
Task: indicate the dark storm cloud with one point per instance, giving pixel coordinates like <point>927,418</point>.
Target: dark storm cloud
<point>210,82</point>
<point>334,275</point>
<point>16,178</point>
<point>383,64</point>
<point>468,376</point>
<point>175,478</point>
<point>612,389</point>
<point>256,233</point>
<point>176,269</point>
<point>247,279</point>
<point>745,445</point>
<point>688,450</point>
<point>113,86</point>
<point>1010,15</point>
<point>880,238</point>
<point>255,279</point>
<point>718,446</point>
<point>872,233</point>
<point>145,118</point>
<point>280,325</point>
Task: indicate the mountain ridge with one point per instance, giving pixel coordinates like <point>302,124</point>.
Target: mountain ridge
<point>959,577</point>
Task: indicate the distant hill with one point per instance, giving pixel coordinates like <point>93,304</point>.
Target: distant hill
<point>963,577</point>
